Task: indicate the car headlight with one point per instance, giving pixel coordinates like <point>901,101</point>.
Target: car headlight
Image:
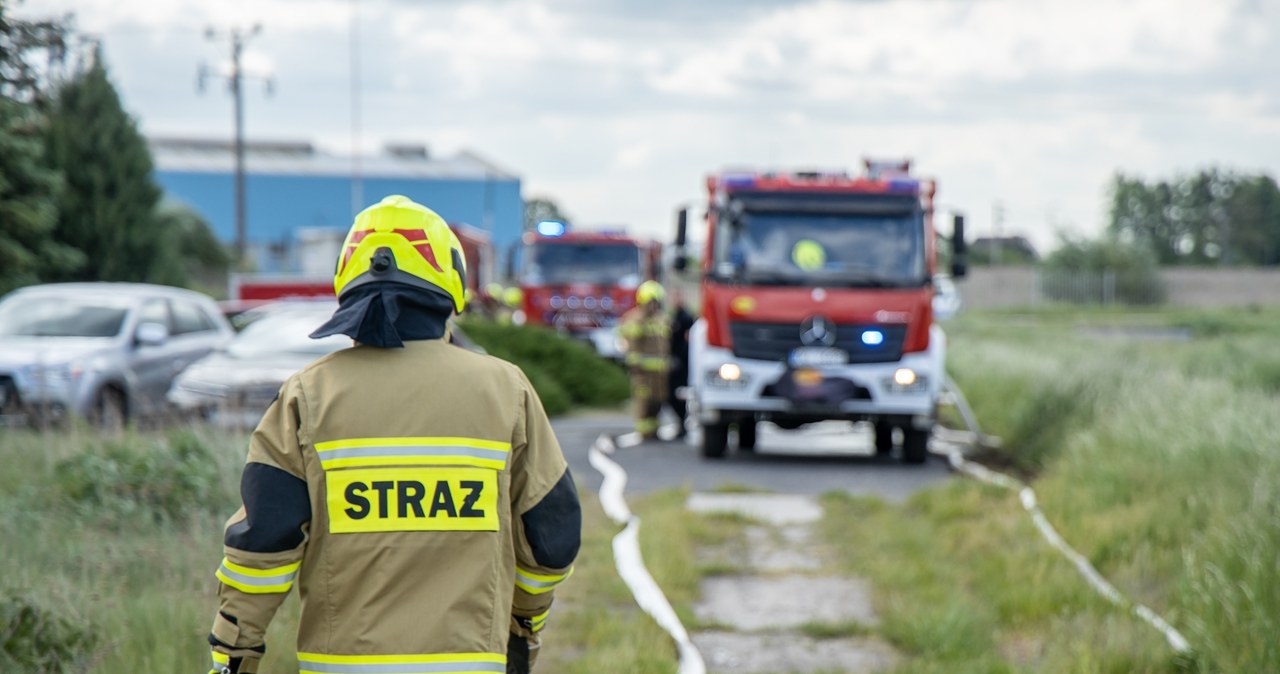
<point>58,374</point>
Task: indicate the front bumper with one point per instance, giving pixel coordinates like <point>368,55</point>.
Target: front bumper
<point>828,392</point>
<point>25,398</point>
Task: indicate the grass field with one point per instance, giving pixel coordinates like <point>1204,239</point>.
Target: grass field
<point>1153,442</point>
<point>1159,459</point>
<point>110,546</point>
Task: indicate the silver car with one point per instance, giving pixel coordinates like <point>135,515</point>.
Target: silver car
<point>236,384</point>
<point>103,351</point>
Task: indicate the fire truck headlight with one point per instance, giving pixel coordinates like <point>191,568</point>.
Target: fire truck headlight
<point>606,303</point>
<point>557,301</point>
<point>727,376</point>
<point>906,380</point>
<point>517,317</point>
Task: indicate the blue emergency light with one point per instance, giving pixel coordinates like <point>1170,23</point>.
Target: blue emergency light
<point>872,337</point>
<point>551,228</point>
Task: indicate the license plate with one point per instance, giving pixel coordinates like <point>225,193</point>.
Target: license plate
<point>817,356</point>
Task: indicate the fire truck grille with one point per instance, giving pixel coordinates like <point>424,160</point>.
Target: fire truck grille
<point>775,341</point>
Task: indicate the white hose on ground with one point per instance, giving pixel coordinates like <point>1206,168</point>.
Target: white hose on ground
<point>1028,498</point>
<point>630,562</point>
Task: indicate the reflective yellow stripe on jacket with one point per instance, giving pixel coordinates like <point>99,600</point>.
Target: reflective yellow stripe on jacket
<point>450,663</point>
<point>421,451</point>
<point>649,363</point>
<point>535,583</point>
<point>257,581</point>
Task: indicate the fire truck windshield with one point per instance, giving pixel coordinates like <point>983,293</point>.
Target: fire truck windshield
<point>786,248</point>
<point>579,262</point>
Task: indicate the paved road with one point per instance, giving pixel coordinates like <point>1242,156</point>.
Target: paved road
<point>820,458</point>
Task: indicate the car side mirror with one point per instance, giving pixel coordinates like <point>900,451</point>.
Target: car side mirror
<point>678,261</point>
<point>151,334</point>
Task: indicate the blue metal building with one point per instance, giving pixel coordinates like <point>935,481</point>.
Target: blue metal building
<point>300,201</point>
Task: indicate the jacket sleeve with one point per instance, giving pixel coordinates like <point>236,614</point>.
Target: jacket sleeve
<point>264,541</point>
<point>546,518</point>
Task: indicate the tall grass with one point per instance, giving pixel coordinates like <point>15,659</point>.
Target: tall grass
<point>1159,460</point>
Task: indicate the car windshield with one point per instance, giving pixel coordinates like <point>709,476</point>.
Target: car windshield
<point>285,332</point>
<point>597,263</point>
<point>49,315</point>
<point>832,249</point>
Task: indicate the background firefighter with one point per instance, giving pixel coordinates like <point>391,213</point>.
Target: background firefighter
<point>646,335</point>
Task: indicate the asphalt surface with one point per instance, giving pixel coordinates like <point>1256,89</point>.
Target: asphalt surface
<point>816,459</point>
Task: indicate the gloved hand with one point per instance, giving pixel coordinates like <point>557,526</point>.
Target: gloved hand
<point>523,645</point>
<point>225,664</point>
<point>519,659</point>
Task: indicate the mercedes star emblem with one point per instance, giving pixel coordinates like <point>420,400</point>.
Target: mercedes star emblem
<point>817,331</point>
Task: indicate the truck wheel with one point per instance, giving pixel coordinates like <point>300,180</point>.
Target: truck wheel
<point>715,439</point>
<point>747,435</point>
<point>884,438</point>
<point>915,445</point>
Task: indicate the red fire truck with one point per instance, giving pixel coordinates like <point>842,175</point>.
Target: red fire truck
<point>816,305</point>
<point>582,282</point>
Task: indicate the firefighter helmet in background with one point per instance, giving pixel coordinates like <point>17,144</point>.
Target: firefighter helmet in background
<point>513,297</point>
<point>650,291</point>
<point>400,241</point>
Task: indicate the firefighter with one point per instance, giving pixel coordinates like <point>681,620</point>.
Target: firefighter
<point>645,334</point>
<point>412,490</point>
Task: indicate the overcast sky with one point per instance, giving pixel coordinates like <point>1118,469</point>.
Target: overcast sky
<point>617,110</point>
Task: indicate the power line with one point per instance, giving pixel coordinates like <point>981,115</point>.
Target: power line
<point>237,38</point>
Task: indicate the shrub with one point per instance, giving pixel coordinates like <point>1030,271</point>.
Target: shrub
<point>1104,271</point>
<point>565,367</point>
<point>32,639</point>
<point>170,478</point>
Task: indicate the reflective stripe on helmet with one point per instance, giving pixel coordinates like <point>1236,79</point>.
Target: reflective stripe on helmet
<point>418,451</point>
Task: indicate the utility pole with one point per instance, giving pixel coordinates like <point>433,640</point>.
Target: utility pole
<point>997,240</point>
<point>357,181</point>
<point>238,37</point>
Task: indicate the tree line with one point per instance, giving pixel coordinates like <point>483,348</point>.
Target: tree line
<point>78,201</point>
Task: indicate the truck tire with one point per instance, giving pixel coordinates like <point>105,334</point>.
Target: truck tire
<point>715,439</point>
<point>915,445</point>
<point>747,435</point>
<point>884,438</point>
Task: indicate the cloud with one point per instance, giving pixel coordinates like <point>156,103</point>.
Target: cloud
<point>618,109</point>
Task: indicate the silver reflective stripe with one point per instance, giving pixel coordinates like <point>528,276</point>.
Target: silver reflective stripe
<point>412,450</point>
<point>258,581</point>
<point>538,584</point>
<point>405,668</point>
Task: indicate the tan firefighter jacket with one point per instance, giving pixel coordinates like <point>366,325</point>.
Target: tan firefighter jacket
<point>647,340</point>
<point>418,500</point>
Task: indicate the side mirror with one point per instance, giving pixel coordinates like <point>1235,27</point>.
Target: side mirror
<point>959,249</point>
<point>151,334</point>
<point>679,261</point>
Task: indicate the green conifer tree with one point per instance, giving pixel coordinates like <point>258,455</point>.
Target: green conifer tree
<point>29,252</point>
<point>107,208</point>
